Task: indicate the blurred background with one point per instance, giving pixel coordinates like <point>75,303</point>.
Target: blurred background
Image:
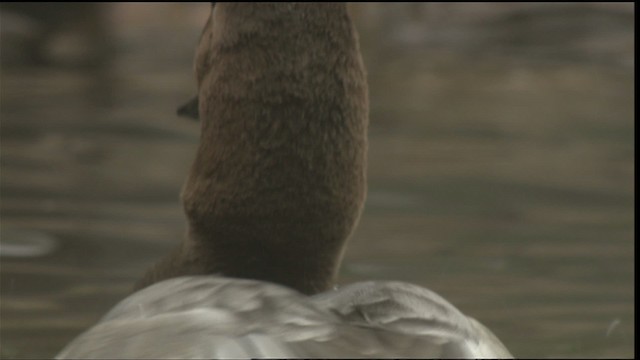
<point>501,163</point>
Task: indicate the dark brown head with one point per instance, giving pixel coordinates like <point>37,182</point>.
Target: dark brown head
<point>278,182</point>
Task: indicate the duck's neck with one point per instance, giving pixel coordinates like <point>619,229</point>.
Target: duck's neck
<point>278,182</point>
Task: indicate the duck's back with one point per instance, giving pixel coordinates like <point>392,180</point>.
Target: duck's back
<point>213,317</point>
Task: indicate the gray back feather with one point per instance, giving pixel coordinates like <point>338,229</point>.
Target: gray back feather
<point>213,317</point>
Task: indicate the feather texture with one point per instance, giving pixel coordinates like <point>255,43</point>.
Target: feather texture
<point>215,317</point>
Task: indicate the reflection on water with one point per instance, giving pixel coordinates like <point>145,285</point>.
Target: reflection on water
<point>501,172</point>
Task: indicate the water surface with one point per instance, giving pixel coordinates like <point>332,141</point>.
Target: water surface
<point>501,169</point>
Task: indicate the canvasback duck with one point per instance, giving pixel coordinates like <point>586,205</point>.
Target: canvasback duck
<point>276,189</point>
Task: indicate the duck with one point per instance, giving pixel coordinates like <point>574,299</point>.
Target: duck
<point>277,187</point>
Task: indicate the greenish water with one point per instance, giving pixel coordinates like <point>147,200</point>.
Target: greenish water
<point>499,179</point>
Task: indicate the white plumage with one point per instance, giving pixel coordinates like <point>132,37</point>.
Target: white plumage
<point>214,317</point>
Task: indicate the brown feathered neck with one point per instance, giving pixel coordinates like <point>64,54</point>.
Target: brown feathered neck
<point>278,182</point>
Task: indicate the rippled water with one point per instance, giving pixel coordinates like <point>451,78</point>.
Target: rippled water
<point>501,176</point>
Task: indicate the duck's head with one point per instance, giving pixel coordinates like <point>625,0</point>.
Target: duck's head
<point>278,182</point>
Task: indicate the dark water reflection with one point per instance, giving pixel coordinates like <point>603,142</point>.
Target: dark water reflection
<point>501,176</point>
